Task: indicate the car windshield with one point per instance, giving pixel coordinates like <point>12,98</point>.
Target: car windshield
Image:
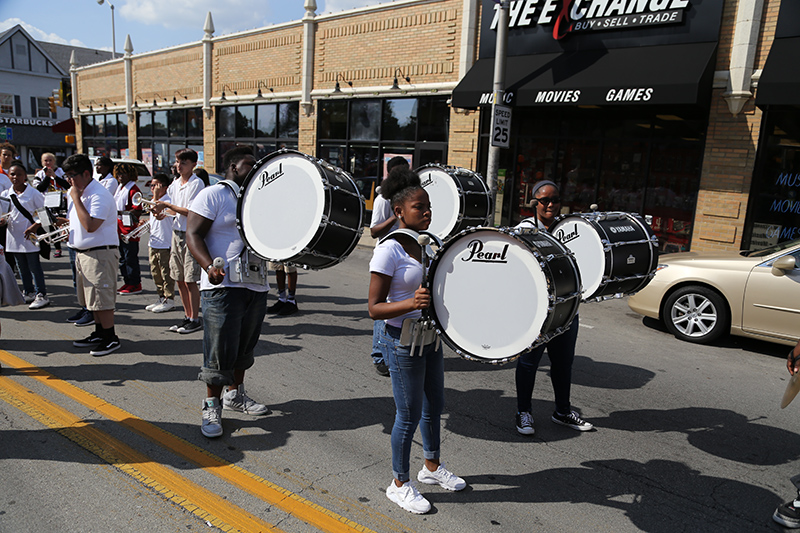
<point>770,250</point>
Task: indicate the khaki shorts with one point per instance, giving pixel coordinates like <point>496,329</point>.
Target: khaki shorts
<point>96,276</point>
<point>182,266</point>
<point>282,267</point>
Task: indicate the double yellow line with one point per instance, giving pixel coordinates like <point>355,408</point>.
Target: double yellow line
<point>176,488</point>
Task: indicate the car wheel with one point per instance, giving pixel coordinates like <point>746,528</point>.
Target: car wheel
<point>696,314</point>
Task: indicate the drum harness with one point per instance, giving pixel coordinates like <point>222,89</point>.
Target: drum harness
<point>247,268</point>
<point>418,332</point>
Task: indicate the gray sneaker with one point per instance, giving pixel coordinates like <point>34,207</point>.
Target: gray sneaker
<point>39,301</point>
<point>212,418</point>
<point>238,400</point>
<point>442,477</point>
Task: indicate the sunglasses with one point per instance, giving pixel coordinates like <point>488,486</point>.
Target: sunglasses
<point>545,200</point>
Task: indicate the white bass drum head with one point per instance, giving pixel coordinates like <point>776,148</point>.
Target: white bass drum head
<point>582,239</point>
<point>445,200</point>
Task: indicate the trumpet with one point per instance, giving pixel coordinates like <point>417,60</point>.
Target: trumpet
<point>138,200</point>
<point>5,216</point>
<point>58,235</point>
<point>140,229</point>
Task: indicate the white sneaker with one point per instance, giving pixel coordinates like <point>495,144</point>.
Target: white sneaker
<point>408,497</point>
<point>165,305</point>
<point>212,418</point>
<point>28,297</point>
<point>154,305</point>
<point>238,400</point>
<point>39,301</point>
<point>442,477</point>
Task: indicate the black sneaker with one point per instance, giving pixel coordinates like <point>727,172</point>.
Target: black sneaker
<point>382,369</point>
<point>274,308</point>
<point>191,326</point>
<point>525,423</point>
<point>77,316</point>
<point>108,346</point>
<point>176,327</point>
<point>788,514</point>
<point>86,320</point>
<point>91,341</point>
<point>288,308</point>
<point>572,420</point>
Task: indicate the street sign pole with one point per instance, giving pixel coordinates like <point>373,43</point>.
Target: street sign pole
<point>498,99</point>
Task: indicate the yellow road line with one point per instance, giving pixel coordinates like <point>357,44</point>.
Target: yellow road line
<point>303,509</point>
<point>174,487</point>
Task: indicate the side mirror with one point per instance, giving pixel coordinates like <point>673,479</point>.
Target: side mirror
<point>780,266</point>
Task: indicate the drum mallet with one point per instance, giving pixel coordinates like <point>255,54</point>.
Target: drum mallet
<point>219,264</point>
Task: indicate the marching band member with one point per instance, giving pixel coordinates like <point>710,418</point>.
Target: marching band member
<point>560,350</point>
<point>50,179</point>
<point>233,310</point>
<point>93,236</point>
<point>396,295</point>
<point>20,249</point>
<point>127,220</point>
<point>160,237</point>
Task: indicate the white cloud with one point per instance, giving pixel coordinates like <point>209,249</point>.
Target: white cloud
<point>39,35</point>
<point>236,15</point>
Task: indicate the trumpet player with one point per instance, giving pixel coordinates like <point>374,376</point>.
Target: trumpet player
<point>160,238</point>
<point>128,215</point>
<point>21,227</point>
<point>94,237</point>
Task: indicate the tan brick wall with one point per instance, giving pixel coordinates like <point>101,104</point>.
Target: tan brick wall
<point>421,40</point>
<point>177,73</point>
<point>209,144</point>
<point>104,84</point>
<point>463,145</point>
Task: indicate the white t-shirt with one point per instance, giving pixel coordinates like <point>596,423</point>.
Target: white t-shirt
<point>392,260</point>
<point>121,196</point>
<point>531,222</point>
<point>160,230</point>
<point>31,200</point>
<point>100,205</point>
<point>381,212</point>
<point>182,195</point>
<point>218,204</point>
<point>5,182</point>
<point>110,183</point>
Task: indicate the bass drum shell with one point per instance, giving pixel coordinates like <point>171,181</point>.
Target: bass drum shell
<point>459,199</point>
<point>294,208</point>
<point>497,293</point>
<point>617,252</point>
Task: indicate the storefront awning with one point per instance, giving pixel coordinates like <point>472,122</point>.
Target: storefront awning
<point>648,75</point>
<point>780,79</point>
<point>65,126</point>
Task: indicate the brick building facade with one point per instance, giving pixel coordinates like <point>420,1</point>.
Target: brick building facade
<point>307,84</point>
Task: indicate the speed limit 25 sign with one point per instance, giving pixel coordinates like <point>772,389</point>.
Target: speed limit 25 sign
<point>501,126</point>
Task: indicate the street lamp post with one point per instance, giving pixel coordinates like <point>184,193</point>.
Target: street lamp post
<point>113,30</point>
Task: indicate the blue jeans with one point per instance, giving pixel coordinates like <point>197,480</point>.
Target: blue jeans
<point>129,262</point>
<point>418,388</point>
<point>232,319</point>
<point>561,351</point>
<point>30,271</point>
<point>377,355</point>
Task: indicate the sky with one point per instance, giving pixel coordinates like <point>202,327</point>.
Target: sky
<point>152,24</point>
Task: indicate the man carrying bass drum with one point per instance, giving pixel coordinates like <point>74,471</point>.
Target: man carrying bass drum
<point>560,349</point>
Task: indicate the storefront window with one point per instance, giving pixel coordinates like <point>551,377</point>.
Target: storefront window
<point>775,194</point>
<point>105,134</point>
<point>400,119</point>
<point>164,132</point>
<point>177,122</point>
<point>332,122</point>
<point>365,120</point>
<point>622,160</point>
<point>264,127</point>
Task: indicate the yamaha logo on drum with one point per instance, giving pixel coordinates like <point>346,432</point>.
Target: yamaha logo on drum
<point>427,181</point>
<point>477,255</point>
<point>621,229</point>
<point>266,179</point>
<point>565,237</point>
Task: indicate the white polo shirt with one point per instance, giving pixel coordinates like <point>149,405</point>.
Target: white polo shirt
<point>31,200</point>
<point>182,195</point>
<point>100,205</point>
<point>160,230</point>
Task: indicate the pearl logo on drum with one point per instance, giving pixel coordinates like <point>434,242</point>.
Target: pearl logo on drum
<point>266,179</point>
<point>477,255</point>
<point>565,237</point>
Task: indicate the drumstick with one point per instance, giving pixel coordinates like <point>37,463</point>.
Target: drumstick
<point>219,264</point>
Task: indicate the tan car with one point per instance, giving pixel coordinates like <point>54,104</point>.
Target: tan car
<point>701,296</point>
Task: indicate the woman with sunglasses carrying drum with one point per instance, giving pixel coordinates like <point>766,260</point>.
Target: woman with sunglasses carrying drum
<point>560,350</point>
<point>416,368</point>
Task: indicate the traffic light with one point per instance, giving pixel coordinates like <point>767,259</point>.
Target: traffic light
<point>65,93</point>
<point>52,101</point>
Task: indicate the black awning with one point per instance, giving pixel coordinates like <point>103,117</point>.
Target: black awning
<point>780,79</point>
<point>651,75</point>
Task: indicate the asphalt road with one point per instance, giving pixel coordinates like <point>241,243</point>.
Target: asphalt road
<point>689,438</point>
